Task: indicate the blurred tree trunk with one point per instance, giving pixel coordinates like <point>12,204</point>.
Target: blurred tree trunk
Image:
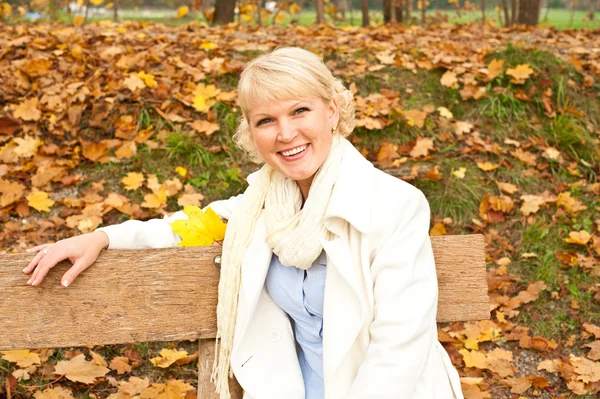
<point>224,12</point>
<point>387,11</point>
<point>592,9</point>
<point>116,11</point>
<point>529,12</point>
<point>320,11</point>
<point>87,7</point>
<point>513,9</point>
<point>483,12</point>
<point>399,6</point>
<point>507,20</point>
<point>572,7</point>
<point>364,6</point>
<point>258,15</point>
<point>423,11</point>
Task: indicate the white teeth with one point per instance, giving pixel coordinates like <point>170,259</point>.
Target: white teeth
<point>294,151</point>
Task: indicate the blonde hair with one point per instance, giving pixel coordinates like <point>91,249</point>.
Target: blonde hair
<point>287,73</point>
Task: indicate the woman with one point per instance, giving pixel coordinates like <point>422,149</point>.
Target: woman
<point>328,286</point>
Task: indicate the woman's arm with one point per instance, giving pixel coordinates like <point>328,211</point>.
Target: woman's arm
<point>405,296</point>
<point>83,250</point>
<point>157,233</point>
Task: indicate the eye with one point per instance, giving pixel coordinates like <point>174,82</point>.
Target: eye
<point>263,121</point>
<point>301,110</point>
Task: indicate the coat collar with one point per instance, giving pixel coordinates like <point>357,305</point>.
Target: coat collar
<point>350,195</point>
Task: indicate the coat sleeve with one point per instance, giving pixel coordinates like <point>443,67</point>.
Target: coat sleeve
<point>157,233</point>
<point>405,305</point>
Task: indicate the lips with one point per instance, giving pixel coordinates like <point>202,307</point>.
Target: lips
<point>294,149</point>
<point>295,156</point>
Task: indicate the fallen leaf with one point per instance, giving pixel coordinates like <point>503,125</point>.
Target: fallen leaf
<point>79,370</point>
<point>201,228</point>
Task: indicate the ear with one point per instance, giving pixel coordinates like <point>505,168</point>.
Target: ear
<point>333,112</point>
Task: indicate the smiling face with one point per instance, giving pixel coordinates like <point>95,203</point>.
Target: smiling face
<point>294,136</point>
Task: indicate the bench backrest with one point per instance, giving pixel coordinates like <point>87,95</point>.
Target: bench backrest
<point>171,294</point>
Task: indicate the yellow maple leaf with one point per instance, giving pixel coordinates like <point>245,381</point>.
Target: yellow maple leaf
<point>23,358</point>
<point>155,200</point>
<point>200,103</point>
<point>182,12</point>
<point>170,389</point>
<point>208,91</point>
<point>415,117</point>
<point>78,20</point>
<point>39,201</point>
<point>487,166</point>
<point>449,79</point>
<point>133,181</point>
<point>54,393</point>
<point>147,78</point>
<point>201,228</point>
<point>26,147</point>
<point>96,2</point>
<point>445,112</point>
<point>520,73</point>
<point>168,357</point>
<point>495,68</point>
<point>6,10</point>
<point>134,82</point>
<point>294,8</point>
<point>181,171</point>
<point>578,237</point>
<point>28,111</point>
<point>79,370</point>
<point>207,45</point>
<point>460,173</point>
<point>422,147</point>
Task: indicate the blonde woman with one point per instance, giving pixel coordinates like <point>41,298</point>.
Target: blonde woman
<point>328,286</point>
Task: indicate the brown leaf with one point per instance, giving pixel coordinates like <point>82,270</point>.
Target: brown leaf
<point>8,125</point>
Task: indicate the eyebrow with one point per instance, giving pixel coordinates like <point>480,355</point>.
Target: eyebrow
<point>293,106</point>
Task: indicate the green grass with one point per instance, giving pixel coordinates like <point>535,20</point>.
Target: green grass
<point>559,18</point>
<point>454,197</point>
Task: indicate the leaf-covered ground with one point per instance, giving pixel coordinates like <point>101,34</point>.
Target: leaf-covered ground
<point>499,127</point>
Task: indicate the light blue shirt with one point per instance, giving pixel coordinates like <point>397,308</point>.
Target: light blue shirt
<point>300,294</point>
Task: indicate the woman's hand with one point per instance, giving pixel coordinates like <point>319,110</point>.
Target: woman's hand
<point>81,250</point>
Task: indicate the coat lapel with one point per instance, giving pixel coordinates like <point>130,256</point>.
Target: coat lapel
<point>343,305</point>
<point>255,265</point>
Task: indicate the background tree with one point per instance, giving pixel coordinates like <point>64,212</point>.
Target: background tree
<point>224,12</point>
<point>320,11</point>
<point>529,12</point>
<point>364,7</point>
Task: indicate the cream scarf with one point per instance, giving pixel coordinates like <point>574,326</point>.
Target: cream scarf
<point>293,232</point>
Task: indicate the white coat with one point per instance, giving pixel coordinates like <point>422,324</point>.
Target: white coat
<point>379,329</point>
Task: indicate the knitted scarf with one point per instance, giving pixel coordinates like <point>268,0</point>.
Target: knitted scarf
<point>293,232</point>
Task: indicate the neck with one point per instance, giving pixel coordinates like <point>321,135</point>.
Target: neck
<point>304,188</point>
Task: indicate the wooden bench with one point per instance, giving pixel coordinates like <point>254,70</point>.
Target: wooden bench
<point>170,294</point>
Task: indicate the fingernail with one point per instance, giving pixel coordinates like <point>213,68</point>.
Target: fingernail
<point>28,250</point>
<point>66,283</point>
<point>28,281</point>
<point>24,269</point>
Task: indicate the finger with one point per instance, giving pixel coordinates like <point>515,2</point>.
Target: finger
<point>33,262</point>
<point>37,248</point>
<point>47,262</point>
<point>80,265</point>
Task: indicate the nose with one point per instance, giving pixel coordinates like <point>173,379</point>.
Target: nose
<point>287,132</point>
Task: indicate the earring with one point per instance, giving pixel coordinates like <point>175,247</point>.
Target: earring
<point>333,129</point>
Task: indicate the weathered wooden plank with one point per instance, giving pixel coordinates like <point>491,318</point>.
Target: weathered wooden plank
<point>171,294</point>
